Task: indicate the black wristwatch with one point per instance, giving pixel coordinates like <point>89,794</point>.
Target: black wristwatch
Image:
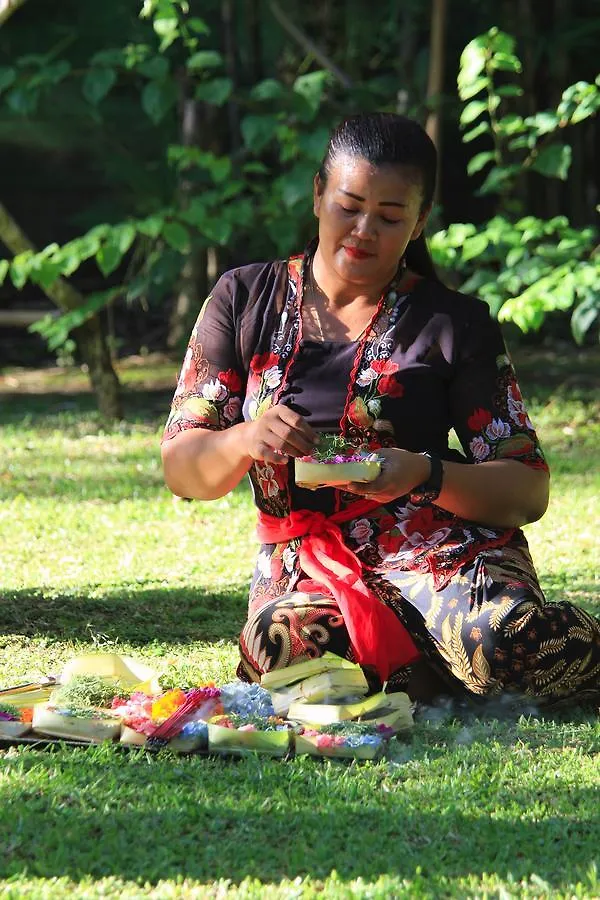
<point>428,491</point>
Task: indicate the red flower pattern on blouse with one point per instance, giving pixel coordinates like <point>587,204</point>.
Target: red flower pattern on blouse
<point>384,366</point>
<point>478,419</point>
<point>390,386</point>
<point>262,361</point>
<point>231,380</point>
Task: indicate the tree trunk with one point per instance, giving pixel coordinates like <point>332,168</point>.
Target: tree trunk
<point>435,83</point>
<point>188,299</point>
<point>90,337</point>
<point>93,347</point>
<point>231,62</point>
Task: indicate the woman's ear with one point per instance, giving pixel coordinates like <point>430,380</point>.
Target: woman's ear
<point>317,194</point>
<point>421,223</point>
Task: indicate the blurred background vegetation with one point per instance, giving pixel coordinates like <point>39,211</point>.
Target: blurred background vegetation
<point>147,147</point>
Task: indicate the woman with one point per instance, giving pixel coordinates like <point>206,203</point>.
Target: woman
<point>425,568</point>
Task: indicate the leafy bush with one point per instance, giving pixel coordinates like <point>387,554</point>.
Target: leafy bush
<point>525,267</point>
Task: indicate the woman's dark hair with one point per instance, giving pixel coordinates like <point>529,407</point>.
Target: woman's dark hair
<point>389,139</point>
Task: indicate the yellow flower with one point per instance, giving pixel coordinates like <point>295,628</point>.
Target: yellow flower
<point>166,705</point>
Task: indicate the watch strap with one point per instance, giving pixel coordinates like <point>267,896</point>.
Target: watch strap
<point>429,490</point>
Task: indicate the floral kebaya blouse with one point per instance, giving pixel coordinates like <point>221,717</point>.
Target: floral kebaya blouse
<point>430,361</point>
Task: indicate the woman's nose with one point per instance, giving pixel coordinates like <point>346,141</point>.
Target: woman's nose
<point>364,227</point>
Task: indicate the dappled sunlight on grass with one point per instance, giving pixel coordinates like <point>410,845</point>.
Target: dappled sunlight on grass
<point>98,556</point>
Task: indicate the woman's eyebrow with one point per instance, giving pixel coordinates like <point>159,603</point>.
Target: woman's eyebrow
<point>382,203</point>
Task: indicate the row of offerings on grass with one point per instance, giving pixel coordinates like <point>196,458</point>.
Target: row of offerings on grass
<point>319,707</point>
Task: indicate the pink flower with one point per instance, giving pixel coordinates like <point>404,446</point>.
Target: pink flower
<point>232,408</point>
<point>325,740</point>
<point>272,377</point>
<point>479,448</point>
<point>497,429</point>
<point>361,532</point>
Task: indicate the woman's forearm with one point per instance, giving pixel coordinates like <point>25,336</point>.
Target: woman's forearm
<point>502,493</point>
<point>206,465</point>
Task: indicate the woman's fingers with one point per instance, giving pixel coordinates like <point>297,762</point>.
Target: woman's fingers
<point>279,433</point>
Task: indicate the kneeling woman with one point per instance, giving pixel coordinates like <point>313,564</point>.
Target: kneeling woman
<point>426,568</point>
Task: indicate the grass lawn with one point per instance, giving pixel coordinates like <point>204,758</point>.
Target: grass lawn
<point>95,553</point>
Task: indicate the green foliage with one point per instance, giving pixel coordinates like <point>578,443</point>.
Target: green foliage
<point>519,144</point>
<point>225,195</point>
<point>182,199</point>
<point>524,267</point>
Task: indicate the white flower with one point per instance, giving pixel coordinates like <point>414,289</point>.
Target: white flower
<point>517,410</point>
<point>374,407</point>
<point>267,480</point>
<point>214,390</point>
<point>289,558</point>
<point>272,377</point>
<point>365,378</point>
<point>263,564</point>
<point>232,408</point>
<point>479,448</point>
<point>361,532</point>
<point>416,539</point>
<point>497,429</point>
<point>187,362</point>
<point>253,409</point>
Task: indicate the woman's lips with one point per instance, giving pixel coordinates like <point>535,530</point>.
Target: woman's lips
<point>355,253</point>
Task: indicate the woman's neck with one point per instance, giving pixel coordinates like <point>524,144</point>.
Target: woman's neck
<point>340,292</point>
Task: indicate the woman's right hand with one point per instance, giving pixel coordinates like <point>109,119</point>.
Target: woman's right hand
<point>278,434</point>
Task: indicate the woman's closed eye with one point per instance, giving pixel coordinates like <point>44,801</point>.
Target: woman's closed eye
<point>351,212</point>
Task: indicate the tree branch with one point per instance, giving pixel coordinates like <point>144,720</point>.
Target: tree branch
<point>7,8</point>
<point>89,336</point>
<point>301,38</point>
<point>62,294</point>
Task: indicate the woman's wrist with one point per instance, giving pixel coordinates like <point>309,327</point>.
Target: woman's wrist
<point>242,436</point>
<point>430,487</point>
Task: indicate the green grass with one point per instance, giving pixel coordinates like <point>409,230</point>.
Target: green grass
<point>95,554</point>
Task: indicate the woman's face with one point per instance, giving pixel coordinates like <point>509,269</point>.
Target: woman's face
<point>367,215</point>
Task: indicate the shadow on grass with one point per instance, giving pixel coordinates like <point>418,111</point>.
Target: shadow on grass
<point>131,617</point>
<point>106,815</point>
<point>141,405</point>
<point>130,476</point>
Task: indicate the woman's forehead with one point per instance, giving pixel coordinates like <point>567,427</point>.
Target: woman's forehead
<point>347,170</point>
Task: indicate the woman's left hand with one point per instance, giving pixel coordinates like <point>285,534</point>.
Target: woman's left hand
<point>401,472</point>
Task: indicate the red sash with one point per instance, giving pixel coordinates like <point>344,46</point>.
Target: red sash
<point>378,638</point>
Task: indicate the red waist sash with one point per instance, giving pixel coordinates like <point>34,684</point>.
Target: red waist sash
<point>378,638</point>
